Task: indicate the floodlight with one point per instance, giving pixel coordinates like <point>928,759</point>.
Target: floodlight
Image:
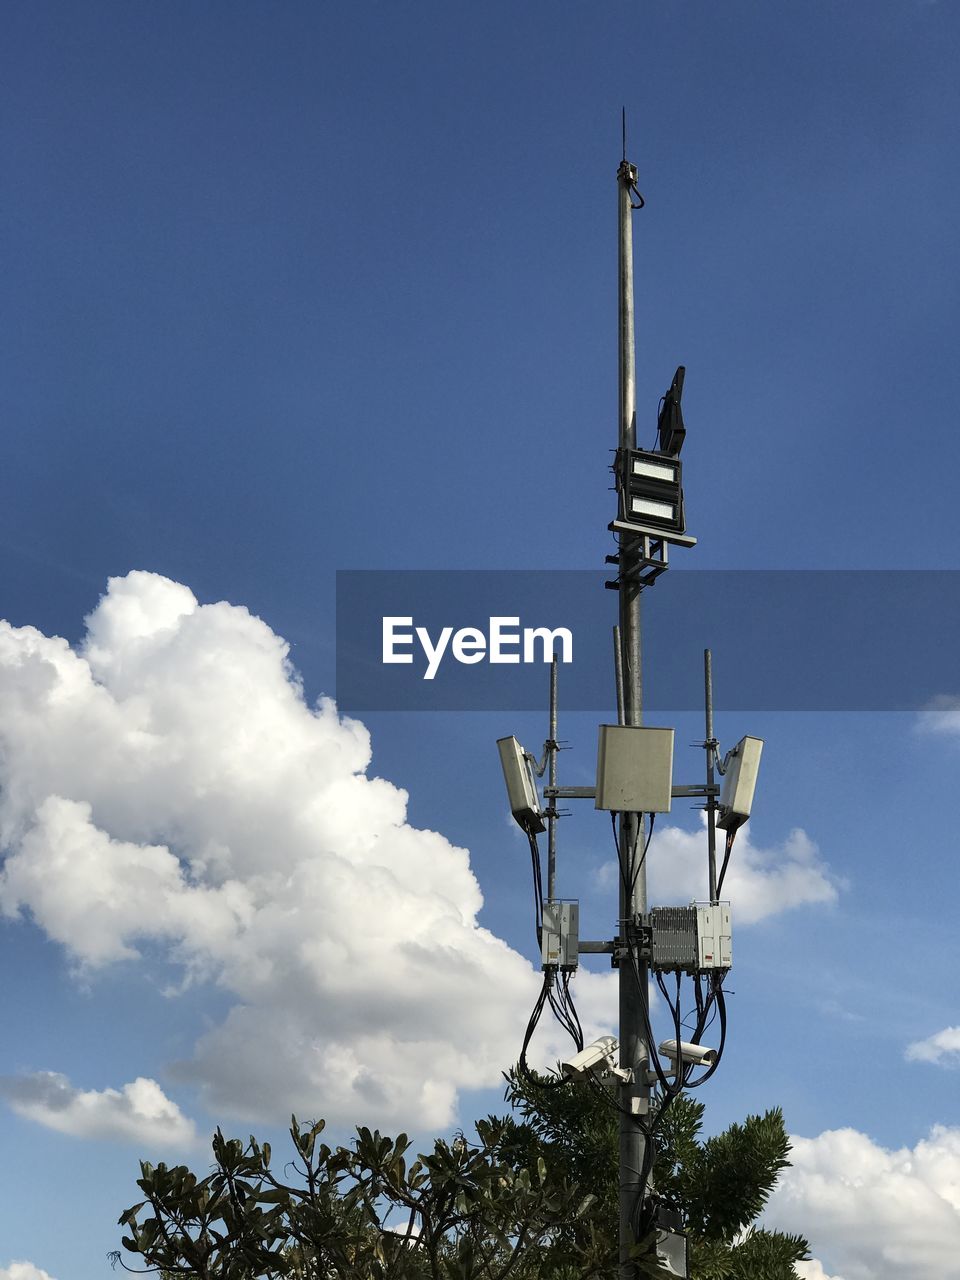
<point>651,494</point>
<point>521,785</point>
<point>673,1250</point>
<point>666,471</point>
<point>670,428</point>
<point>651,507</point>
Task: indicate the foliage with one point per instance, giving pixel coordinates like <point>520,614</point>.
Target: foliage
<point>719,1186</point>
<point>511,1204</point>
<point>478,1215</point>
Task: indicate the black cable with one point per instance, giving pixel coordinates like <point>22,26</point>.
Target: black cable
<point>523,1067</point>
<point>643,856</point>
<point>704,1021</point>
<point>616,844</point>
<point>612,1102</point>
<point>731,835</point>
<point>629,875</point>
<point>560,1004</point>
<point>559,997</point>
<point>537,885</point>
<point>565,1011</point>
<point>647,1028</point>
<point>722,1013</point>
<point>574,1016</point>
<point>677,1013</point>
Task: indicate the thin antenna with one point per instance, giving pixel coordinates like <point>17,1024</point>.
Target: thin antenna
<point>623,115</point>
<point>552,776</point>
<point>711,746</point>
<point>618,674</point>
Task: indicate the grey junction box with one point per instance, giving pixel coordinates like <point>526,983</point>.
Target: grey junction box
<point>560,944</point>
<point>634,769</point>
<point>692,939</point>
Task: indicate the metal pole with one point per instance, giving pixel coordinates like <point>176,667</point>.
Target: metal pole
<point>710,746</point>
<point>552,817</point>
<point>618,673</point>
<point>633,884</point>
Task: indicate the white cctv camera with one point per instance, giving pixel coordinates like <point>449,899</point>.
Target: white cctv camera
<point>694,1054</point>
<point>596,1056</point>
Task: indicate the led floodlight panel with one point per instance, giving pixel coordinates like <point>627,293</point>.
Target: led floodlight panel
<point>673,1248</point>
<point>650,491</point>
<point>521,786</point>
<point>739,783</point>
<point>634,769</point>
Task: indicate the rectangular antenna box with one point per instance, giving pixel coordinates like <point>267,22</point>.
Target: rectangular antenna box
<point>521,785</point>
<point>739,783</point>
<point>690,939</point>
<point>560,938</point>
<point>634,769</point>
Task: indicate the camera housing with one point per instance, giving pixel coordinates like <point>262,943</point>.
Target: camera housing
<point>691,1054</point>
<point>599,1055</point>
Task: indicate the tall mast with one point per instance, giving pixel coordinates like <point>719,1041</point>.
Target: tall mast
<point>633,883</point>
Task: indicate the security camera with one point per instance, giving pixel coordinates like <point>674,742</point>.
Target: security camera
<point>694,1054</point>
<point>599,1055</point>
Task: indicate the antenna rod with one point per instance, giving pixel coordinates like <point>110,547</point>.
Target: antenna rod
<point>711,748</point>
<point>551,815</point>
<point>618,673</point>
<point>635,1160</point>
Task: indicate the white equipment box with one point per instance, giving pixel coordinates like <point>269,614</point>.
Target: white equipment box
<point>521,785</point>
<point>634,769</point>
<point>739,783</point>
<point>560,937</point>
<point>714,937</point>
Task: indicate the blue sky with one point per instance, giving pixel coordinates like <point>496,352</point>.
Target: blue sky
<point>293,289</point>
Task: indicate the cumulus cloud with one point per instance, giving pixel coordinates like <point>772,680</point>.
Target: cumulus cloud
<point>760,882</point>
<point>874,1213</point>
<point>24,1271</point>
<point>140,1112</point>
<point>941,716</point>
<point>167,784</point>
<point>943,1048</point>
<point>812,1269</point>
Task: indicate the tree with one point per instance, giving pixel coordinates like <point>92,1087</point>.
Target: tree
<point>719,1186</point>
<point>533,1198</point>
<point>465,1212</point>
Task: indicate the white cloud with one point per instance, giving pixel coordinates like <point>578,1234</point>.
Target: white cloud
<point>759,882</point>
<point>942,715</point>
<point>140,1112</point>
<point>812,1269</point>
<point>943,1048</point>
<point>168,784</point>
<point>24,1271</point>
<point>874,1213</point>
